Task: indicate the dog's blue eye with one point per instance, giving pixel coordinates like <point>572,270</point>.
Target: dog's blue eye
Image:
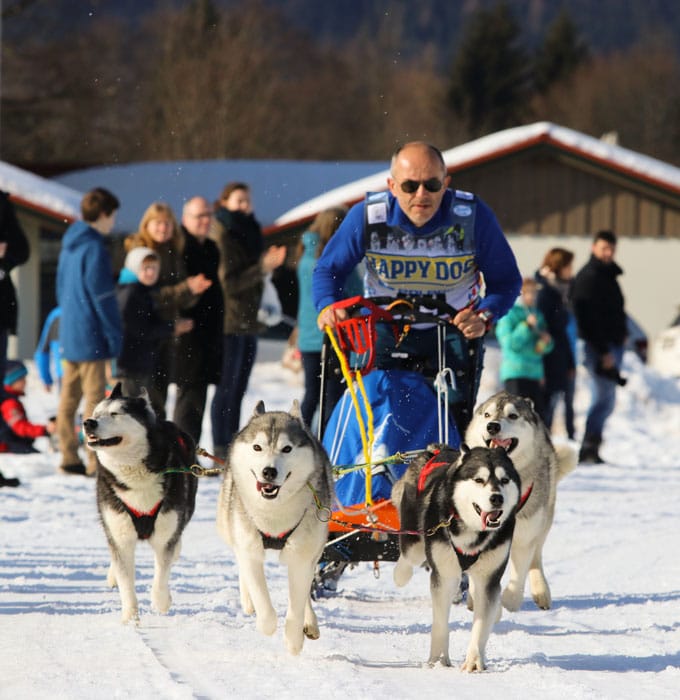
<point>257,448</point>
<point>287,449</point>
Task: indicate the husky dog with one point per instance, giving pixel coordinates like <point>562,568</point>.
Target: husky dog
<point>138,497</point>
<point>277,480</point>
<point>457,514</point>
<point>510,422</point>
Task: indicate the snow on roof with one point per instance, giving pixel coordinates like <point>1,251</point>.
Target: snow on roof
<point>488,147</point>
<point>276,185</point>
<point>37,193</point>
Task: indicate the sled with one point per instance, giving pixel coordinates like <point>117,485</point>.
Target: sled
<point>386,417</point>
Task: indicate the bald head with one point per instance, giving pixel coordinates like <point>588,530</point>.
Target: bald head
<point>418,180</point>
<point>196,217</point>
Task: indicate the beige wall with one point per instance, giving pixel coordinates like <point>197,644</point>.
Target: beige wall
<point>651,274</point>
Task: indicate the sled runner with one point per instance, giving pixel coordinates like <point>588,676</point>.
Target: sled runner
<point>395,404</point>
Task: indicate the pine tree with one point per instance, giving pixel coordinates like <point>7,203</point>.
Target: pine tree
<point>490,74</point>
<point>560,54</point>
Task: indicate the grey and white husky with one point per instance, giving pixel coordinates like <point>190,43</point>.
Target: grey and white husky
<point>138,497</point>
<point>509,421</point>
<point>276,495</point>
<point>457,514</point>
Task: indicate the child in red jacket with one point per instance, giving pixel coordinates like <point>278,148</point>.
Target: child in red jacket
<point>17,433</point>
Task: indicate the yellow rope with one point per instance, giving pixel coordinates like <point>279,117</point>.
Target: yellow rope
<point>346,373</point>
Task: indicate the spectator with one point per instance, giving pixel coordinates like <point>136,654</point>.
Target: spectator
<point>90,329</point>
<point>47,356</point>
<point>17,433</point>
<point>175,291</point>
<point>143,329</point>
<point>601,319</point>
<point>310,338</point>
<point>198,357</point>
<point>524,340</point>
<point>553,301</point>
<point>467,244</point>
<point>243,266</point>
<point>14,251</point>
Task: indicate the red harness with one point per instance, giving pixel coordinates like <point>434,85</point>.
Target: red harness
<point>143,522</point>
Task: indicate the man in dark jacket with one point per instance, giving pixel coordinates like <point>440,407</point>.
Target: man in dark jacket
<point>601,318</point>
<point>14,251</point>
<point>198,354</point>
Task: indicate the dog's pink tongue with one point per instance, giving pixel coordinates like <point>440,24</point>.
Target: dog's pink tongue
<point>492,516</point>
<point>497,442</point>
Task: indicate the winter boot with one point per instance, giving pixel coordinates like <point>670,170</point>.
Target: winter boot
<point>13,482</point>
<point>589,450</point>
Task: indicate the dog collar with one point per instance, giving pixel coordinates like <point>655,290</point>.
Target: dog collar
<point>525,498</point>
<point>143,522</point>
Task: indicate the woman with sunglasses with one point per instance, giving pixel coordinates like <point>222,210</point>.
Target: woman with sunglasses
<point>466,261</point>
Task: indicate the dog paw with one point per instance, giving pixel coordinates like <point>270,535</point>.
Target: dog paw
<point>294,639</point>
<point>402,573</point>
<point>130,616</point>
<point>511,599</point>
<point>266,623</point>
<point>442,659</point>
<point>543,600</point>
<point>161,600</point>
<point>473,662</point>
<point>311,631</point>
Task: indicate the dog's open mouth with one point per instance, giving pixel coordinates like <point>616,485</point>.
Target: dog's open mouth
<point>508,444</point>
<point>491,519</point>
<point>268,490</point>
<point>93,441</point>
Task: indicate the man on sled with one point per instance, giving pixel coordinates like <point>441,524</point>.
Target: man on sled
<point>422,240</point>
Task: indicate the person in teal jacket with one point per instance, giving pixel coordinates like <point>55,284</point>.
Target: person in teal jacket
<point>524,340</point>
<point>310,338</point>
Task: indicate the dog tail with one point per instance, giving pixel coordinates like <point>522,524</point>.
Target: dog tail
<point>567,459</point>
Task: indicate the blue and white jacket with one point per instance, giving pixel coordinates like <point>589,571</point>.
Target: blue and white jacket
<point>460,253</point>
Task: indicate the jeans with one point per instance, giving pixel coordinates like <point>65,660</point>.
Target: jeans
<point>238,359</point>
<point>551,401</point>
<point>603,391</point>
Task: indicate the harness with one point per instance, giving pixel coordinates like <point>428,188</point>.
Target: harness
<point>144,522</point>
<point>278,542</point>
<point>465,559</point>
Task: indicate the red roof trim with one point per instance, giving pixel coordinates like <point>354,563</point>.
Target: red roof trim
<point>540,139</point>
<point>548,139</point>
<point>42,210</point>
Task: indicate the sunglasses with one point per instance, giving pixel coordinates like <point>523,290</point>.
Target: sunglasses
<point>431,185</point>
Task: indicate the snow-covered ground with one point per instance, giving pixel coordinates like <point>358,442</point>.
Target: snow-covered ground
<point>612,561</point>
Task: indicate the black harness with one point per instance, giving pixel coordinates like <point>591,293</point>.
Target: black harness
<point>270,541</point>
<point>144,522</point>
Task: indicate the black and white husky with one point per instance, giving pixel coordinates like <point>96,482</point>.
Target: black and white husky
<point>276,495</point>
<point>509,421</point>
<point>139,496</point>
<point>457,514</point>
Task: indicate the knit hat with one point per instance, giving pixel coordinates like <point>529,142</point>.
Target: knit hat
<point>15,369</point>
<point>135,258</point>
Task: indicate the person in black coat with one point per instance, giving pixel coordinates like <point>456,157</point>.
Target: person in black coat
<point>143,327</point>
<point>601,318</point>
<point>198,354</point>
<point>555,279</point>
<point>14,251</point>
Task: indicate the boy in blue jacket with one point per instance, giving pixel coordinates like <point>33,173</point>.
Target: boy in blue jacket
<point>90,328</point>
